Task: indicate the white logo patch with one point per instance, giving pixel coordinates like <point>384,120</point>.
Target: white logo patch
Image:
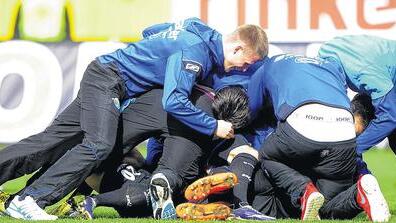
<point>192,67</point>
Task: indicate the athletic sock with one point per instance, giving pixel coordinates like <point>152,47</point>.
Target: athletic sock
<point>243,166</point>
<point>129,195</point>
<point>8,201</point>
<point>83,189</point>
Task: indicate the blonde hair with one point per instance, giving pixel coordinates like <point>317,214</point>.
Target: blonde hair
<point>254,37</point>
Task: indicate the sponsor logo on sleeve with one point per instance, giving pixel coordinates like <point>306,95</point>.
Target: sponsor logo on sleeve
<point>192,67</point>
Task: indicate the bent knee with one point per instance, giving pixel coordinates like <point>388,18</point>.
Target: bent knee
<point>100,151</point>
<point>245,149</point>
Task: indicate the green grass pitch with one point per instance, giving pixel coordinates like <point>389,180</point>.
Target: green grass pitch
<point>381,162</point>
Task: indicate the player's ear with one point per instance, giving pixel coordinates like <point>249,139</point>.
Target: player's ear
<point>237,48</point>
<point>359,125</point>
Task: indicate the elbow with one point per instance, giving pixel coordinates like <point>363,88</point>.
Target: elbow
<point>168,105</point>
<point>174,103</point>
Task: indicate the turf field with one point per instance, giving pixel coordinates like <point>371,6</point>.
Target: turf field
<point>381,162</point>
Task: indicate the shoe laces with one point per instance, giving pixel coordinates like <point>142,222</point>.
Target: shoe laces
<point>148,197</point>
<point>242,204</point>
<point>3,196</point>
<point>29,208</point>
<point>251,209</point>
<point>129,172</point>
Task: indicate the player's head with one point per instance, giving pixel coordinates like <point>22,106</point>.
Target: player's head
<point>246,45</point>
<point>363,111</point>
<point>232,104</point>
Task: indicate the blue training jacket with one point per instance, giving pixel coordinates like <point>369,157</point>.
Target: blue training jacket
<point>174,56</point>
<point>154,151</point>
<point>235,77</point>
<point>291,81</point>
<point>258,136</point>
<point>370,66</point>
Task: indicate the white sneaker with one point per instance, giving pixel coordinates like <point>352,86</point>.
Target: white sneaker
<point>161,198</point>
<point>27,209</point>
<point>371,200</point>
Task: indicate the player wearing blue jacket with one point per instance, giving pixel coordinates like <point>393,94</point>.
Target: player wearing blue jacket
<point>270,201</point>
<point>311,155</point>
<point>370,66</point>
<point>171,56</point>
<point>141,119</point>
<point>177,55</point>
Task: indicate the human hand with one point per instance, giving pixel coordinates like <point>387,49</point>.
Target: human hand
<point>224,130</point>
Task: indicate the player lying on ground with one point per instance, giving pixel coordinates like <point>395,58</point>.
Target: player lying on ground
<point>145,118</point>
<point>236,159</point>
<point>130,198</point>
<point>230,151</point>
<point>364,195</point>
<point>310,165</point>
<point>172,56</point>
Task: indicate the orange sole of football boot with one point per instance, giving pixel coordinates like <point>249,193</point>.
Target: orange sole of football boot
<point>216,183</point>
<point>203,212</point>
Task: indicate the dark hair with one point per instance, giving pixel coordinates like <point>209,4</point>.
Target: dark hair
<point>361,105</point>
<point>232,104</point>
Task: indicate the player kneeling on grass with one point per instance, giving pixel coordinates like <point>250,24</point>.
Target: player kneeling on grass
<point>269,201</point>
<point>365,195</point>
<point>172,56</point>
<point>311,155</point>
<point>230,104</point>
<point>145,117</point>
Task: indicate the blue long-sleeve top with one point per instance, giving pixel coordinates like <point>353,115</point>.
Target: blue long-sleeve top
<point>257,137</point>
<point>285,82</point>
<point>235,77</point>
<point>155,147</point>
<point>174,56</point>
<point>370,66</point>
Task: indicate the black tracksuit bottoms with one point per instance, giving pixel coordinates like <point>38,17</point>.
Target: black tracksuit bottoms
<point>84,134</point>
<point>291,161</point>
